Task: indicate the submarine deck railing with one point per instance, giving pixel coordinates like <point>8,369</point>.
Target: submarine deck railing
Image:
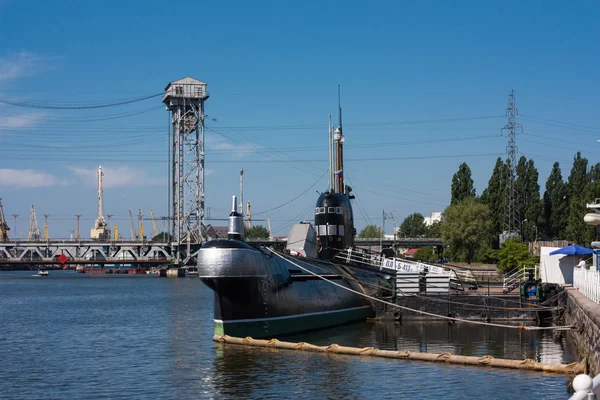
<point>351,255</point>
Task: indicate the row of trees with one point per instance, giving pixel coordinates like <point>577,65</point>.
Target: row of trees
<point>557,215</point>
<point>472,224</point>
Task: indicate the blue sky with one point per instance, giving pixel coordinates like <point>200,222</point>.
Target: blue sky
<point>424,88</point>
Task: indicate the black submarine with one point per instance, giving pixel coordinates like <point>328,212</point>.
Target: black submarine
<point>262,293</point>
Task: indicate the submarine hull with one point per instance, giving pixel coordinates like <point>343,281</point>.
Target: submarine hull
<point>262,295</point>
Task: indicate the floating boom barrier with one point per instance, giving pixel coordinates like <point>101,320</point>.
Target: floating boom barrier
<point>485,361</point>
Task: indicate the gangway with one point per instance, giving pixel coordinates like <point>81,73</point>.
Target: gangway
<point>514,279</point>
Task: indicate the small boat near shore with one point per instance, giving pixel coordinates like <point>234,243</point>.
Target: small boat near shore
<point>42,272</point>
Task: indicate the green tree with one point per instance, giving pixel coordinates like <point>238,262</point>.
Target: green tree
<point>413,226</point>
<point>592,192</point>
<point>426,253</point>
<point>467,228</point>
<point>513,254</point>
<point>488,255</point>
<point>495,198</point>
<point>369,232</point>
<point>257,232</point>
<point>576,230</point>
<point>462,185</point>
<point>434,230</point>
<point>556,205</point>
<point>530,204</point>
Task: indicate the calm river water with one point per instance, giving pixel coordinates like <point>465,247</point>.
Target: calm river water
<point>76,336</point>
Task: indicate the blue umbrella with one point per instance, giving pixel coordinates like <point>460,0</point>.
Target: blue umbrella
<point>572,249</point>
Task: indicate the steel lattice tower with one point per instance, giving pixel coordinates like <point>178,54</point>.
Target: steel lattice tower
<point>185,99</point>
<point>511,220</point>
<point>34,232</point>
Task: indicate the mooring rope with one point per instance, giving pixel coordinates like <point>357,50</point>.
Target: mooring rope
<point>462,305</point>
<point>468,306</point>
<point>528,328</point>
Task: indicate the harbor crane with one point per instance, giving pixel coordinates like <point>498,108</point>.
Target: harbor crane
<point>99,230</point>
<point>141,229</point>
<point>46,236</point>
<point>116,232</point>
<point>134,235</point>
<point>3,225</point>
<point>154,227</point>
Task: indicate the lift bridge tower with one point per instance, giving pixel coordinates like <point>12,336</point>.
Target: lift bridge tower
<point>185,99</point>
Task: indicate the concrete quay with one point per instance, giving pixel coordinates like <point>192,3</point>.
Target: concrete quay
<point>585,314</point>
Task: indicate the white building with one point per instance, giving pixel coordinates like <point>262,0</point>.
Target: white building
<point>435,216</point>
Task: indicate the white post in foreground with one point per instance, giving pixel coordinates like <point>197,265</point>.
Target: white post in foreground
<point>585,387</point>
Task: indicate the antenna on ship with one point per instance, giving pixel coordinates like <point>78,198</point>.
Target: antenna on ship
<point>339,109</point>
<point>338,138</point>
<point>331,158</point>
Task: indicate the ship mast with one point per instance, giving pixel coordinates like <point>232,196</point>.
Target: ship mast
<point>338,138</point>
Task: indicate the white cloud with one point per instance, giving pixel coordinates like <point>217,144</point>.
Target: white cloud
<point>17,65</point>
<point>218,143</point>
<point>117,176</point>
<point>27,178</point>
<point>12,122</point>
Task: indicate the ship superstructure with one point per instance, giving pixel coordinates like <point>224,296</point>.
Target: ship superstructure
<point>260,292</point>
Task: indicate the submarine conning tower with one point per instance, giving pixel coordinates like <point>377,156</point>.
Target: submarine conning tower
<point>334,221</point>
<point>236,223</point>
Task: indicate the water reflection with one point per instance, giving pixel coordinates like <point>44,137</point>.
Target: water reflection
<point>455,338</point>
<point>72,336</point>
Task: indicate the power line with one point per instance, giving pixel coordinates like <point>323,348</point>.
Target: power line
<point>28,104</point>
<point>560,122</point>
<point>586,130</point>
<point>288,202</point>
<point>361,124</point>
<point>404,198</point>
<point>361,208</point>
<point>48,118</point>
<point>557,146</point>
